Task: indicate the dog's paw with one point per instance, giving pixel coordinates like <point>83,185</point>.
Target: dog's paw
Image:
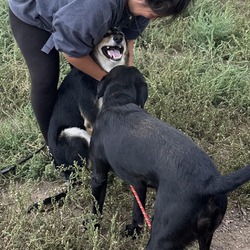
<point>133,230</point>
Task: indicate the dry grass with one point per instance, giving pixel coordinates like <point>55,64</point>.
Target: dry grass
<point>198,73</point>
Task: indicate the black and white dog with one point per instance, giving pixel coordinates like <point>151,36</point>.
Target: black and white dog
<point>75,109</point>
<point>191,195</point>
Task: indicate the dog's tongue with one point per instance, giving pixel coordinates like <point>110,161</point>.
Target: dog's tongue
<point>114,54</point>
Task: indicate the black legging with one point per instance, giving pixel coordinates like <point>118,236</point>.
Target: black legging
<point>43,69</point>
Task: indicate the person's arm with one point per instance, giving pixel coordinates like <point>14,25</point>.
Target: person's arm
<point>131,52</point>
<point>87,65</point>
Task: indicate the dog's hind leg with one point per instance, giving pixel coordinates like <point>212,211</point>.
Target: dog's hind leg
<point>209,219</point>
<point>205,242</point>
<point>171,227</point>
<point>138,218</point>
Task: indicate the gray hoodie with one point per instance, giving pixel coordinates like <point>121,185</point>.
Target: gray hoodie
<point>78,25</point>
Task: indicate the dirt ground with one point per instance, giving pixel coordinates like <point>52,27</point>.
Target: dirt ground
<point>233,233</point>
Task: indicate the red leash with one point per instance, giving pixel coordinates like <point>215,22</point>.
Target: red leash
<point>141,207</point>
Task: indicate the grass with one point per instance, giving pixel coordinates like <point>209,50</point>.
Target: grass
<point>198,73</point>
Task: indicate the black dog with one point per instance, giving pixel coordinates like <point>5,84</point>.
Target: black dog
<point>144,151</point>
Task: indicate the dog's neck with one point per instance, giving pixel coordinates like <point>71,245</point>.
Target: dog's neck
<point>116,99</point>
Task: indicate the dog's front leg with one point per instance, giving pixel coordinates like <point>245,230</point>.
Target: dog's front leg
<point>138,219</point>
<point>99,185</point>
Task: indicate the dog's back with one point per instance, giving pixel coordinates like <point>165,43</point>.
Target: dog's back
<point>164,153</point>
<point>159,147</point>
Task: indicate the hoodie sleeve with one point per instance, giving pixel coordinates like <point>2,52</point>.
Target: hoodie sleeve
<point>76,29</point>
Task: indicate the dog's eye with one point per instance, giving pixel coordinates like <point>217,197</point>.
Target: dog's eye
<point>107,34</point>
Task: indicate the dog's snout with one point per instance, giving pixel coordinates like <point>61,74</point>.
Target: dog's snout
<point>118,38</point>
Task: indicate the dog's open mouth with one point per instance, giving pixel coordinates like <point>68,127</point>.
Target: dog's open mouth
<point>113,52</point>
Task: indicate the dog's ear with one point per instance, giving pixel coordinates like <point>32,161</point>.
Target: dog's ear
<point>142,93</point>
<point>102,85</point>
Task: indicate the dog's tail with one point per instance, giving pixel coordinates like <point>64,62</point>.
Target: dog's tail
<point>228,183</point>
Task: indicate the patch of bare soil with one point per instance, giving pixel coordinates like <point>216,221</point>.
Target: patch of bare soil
<point>234,232</point>
<point>46,189</point>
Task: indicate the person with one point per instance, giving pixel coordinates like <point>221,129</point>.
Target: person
<point>44,28</point>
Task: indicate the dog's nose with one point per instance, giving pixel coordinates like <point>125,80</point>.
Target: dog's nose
<point>118,38</point>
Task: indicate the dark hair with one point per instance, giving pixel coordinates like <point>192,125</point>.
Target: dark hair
<point>165,8</point>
